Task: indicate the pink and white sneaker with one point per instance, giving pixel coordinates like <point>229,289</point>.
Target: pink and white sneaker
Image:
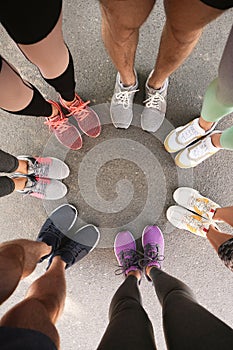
<point>46,167</point>
<point>87,119</point>
<point>66,133</point>
<point>42,188</point>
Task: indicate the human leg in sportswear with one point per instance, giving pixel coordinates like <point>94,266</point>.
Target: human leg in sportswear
<point>187,325</point>
<point>218,99</point>
<point>129,326</point>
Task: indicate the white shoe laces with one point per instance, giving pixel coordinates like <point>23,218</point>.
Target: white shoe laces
<point>199,150</point>
<point>188,134</point>
<point>153,100</point>
<point>123,97</point>
<point>193,222</point>
<point>201,204</point>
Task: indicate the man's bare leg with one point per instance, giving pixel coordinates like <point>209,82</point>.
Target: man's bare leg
<point>185,21</point>
<point>18,259</point>
<point>121,21</point>
<point>45,299</point>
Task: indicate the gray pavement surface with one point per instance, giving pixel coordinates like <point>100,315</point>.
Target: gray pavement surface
<point>123,179</point>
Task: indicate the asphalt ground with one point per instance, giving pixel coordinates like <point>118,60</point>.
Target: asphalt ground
<point>123,179</point>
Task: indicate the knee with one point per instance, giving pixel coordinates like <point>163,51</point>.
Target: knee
<point>183,36</point>
<point>119,30</point>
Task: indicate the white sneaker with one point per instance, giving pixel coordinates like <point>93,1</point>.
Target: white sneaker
<point>186,220</point>
<point>196,154</point>
<point>121,109</point>
<point>191,199</point>
<point>154,111</point>
<point>185,135</point>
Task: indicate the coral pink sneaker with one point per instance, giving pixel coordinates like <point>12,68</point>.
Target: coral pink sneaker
<point>88,121</point>
<point>64,131</point>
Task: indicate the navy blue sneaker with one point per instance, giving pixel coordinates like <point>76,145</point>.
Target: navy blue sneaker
<point>75,248</point>
<point>56,226</point>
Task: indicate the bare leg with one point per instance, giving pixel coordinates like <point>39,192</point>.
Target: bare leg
<point>217,238</point>
<point>43,304</point>
<point>121,21</point>
<point>224,214</point>
<point>18,259</point>
<point>182,30</point>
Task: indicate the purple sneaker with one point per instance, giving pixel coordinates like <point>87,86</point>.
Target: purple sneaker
<point>153,245</point>
<point>126,253</point>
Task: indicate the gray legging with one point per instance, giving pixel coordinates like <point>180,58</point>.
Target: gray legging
<point>218,99</point>
<point>8,164</point>
<point>187,325</point>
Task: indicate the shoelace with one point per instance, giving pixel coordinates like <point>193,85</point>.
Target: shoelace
<point>154,100</point>
<point>58,124</point>
<point>151,254</point>
<point>38,187</point>
<point>187,134</point>
<point>40,169</point>
<point>191,221</point>
<point>74,249</point>
<point>202,204</point>
<point>123,97</point>
<point>199,150</point>
<point>127,259</point>
<point>78,108</point>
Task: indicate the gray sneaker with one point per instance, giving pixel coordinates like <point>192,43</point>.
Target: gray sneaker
<point>121,109</point>
<point>155,107</point>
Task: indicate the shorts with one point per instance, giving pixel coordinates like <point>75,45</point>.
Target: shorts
<point>219,4</point>
<point>24,339</point>
<point>28,22</point>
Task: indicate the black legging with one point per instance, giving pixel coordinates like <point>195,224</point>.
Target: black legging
<point>187,325</point>
<point>8,164</point>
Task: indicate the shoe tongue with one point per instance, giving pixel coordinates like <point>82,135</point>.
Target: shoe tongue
<point>127,88</point>
<point>29,183</point>
<point>30,167</point>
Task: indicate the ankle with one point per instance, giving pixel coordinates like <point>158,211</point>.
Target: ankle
<point>23,167</point>
<point>68,103</point>
<point>156,85</point>
<point>204,124</point>
<point>136,274</point>
<point>215,138</point>
<point>55,112</point>
<point>20,183</point>
<point>128,80</point>
<point>217,214</point>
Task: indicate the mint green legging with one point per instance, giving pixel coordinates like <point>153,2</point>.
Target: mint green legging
<point>218,99</point>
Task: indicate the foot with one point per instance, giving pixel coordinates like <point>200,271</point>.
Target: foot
<point>121,108</point>
<point>186,220</point>
<point>191,199</point>
<point>66,133</point>
<point>126,253</point>
<point>81,244</point>
<point>197,153</point>
<point>56,226</point>
<point>153,245</point>
<point>43,188</point>
<point>183,136</point>
<point>87,119</point>
<point>154,111</point>
<point>48,167</point>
